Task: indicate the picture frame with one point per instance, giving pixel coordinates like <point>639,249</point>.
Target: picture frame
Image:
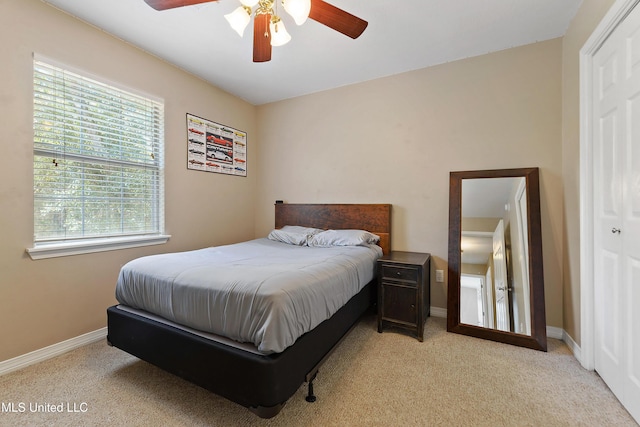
<point>214,147</point>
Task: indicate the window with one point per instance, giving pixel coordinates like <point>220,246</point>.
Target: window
<point>97,165</point>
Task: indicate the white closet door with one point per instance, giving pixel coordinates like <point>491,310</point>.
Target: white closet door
<point>630,230</point>
<point>616,112</point>
<point>501,287</point>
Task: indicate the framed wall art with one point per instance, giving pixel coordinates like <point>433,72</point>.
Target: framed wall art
<point>213,147</point>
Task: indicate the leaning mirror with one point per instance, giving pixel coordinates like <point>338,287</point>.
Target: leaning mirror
<point>496,283</point>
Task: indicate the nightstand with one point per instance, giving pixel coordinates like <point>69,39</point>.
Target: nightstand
<point>404,288</point>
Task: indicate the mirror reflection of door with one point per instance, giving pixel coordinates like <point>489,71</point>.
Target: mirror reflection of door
<point>500,279</point>
<point>490,309</point>
<point>522,265</point>
<point>494,246</point>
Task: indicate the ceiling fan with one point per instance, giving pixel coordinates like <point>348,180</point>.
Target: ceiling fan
<point>268,29</point>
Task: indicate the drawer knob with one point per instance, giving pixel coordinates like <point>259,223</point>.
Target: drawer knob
<point>398,273</point>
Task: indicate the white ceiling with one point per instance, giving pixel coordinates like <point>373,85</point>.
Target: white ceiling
<point>486,197</point>
<point>483,198</point>
<point>402,36</point>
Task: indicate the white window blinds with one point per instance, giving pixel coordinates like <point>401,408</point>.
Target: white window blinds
<point>98,166</point>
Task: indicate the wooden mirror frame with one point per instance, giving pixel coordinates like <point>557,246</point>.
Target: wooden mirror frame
<point>538,338</point>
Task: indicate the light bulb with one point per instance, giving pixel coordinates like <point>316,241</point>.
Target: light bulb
<point>298,9</point>
<point>279,34</point>
<point>239,19</point>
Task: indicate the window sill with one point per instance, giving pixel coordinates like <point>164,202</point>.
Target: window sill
<point>53,250</point>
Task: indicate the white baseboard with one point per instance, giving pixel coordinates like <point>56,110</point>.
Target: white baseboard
<point>51,351</point>
<point>437,312</point>
<point>575,348</point>
<point>553,332</point>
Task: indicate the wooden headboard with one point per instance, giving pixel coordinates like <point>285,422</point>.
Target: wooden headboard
<point>375,218</point>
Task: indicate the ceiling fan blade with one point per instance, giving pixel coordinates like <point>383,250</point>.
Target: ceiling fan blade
<point>261,38</point>
<point>171,4</point>
<point>337,19</point>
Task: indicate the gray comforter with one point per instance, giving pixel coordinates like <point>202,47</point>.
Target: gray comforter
<point>261,291</point>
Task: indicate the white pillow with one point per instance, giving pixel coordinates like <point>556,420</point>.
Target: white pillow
<point>343,238</point>
<point>293,234</point>
<point>300,229</point>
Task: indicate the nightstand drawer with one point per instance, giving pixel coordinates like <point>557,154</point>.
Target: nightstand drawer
<point>399,273</point>
<point>399,303</point>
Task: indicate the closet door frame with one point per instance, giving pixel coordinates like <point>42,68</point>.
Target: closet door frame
<point>612,19</point>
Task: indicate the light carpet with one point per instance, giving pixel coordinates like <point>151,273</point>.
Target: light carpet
<point>372,379</point>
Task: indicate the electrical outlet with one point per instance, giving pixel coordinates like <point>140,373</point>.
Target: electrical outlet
<point>439,276</point>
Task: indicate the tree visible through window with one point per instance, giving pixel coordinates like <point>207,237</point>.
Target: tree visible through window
<point>98,167</point>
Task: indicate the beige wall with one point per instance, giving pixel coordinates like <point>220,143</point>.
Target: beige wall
<point>477,269</point>
<point>392,140</point>
<point>48,301</point>
<point>586,20</point>
<point>395,140</point>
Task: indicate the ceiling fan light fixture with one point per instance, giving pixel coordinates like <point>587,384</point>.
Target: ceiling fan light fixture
<point>298,9</point>
<point>239,19</point>
<point>279,34</point>
<point>268,29</point>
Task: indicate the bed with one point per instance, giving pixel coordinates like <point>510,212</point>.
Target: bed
<point>259,377</point>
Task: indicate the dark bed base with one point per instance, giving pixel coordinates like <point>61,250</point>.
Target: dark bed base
<point>261,383</point>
